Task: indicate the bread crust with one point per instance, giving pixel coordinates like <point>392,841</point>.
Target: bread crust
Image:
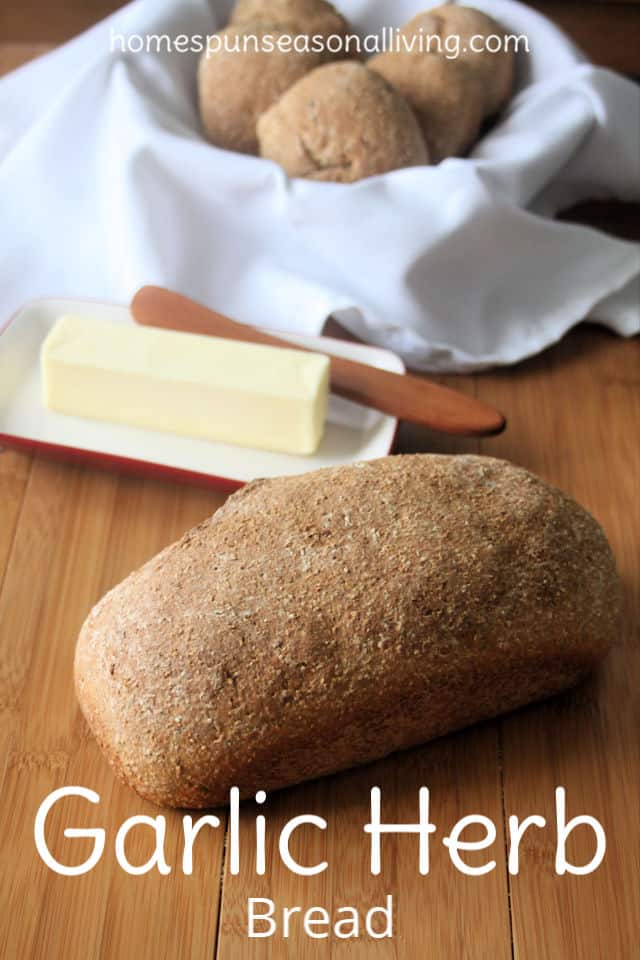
<point>451,95</point>
<point>314,17</point>
<point>341,122</point>
<point>445,95</point>
<point>495,72</point>
<point>322,621</point>
<point>234,88</point>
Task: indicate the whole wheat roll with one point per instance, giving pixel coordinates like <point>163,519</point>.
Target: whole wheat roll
<point>236,86</point>
<point>313,17</point>
<point>494,71</point>
<point>341,122</point>
<point>325,620</point>
<point>445,95</point>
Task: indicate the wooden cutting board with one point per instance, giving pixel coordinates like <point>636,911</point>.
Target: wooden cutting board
<point>68,533</point>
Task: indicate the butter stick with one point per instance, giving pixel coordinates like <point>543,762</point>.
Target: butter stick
<point>196,386</point>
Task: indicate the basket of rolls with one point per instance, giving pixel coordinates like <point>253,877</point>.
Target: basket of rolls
<point>289,80</point>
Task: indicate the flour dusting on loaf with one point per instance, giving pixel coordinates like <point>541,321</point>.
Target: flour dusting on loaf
<point>323,621</point>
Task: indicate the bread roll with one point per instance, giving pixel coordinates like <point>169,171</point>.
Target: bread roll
<point>494,71</point>
<point>451,94</point>
<point>447,98</point>
<point>341,122</point>
<point>234,88</point>
<point>325,620</point>
<point>314,17</point>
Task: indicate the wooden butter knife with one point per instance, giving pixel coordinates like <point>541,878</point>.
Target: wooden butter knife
<point>400,395</point>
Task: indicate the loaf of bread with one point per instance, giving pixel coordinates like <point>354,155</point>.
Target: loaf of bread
<point>322,621</point>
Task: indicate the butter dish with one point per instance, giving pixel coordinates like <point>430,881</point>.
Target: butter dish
<point>352,432</point>
<point>209,388</point>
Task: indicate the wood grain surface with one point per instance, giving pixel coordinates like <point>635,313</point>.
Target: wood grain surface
<point>68,533</point>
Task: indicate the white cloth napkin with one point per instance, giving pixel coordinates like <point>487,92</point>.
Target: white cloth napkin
<point>106,183</point>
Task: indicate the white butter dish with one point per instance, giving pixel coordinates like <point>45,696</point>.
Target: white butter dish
<point>352,432</point>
